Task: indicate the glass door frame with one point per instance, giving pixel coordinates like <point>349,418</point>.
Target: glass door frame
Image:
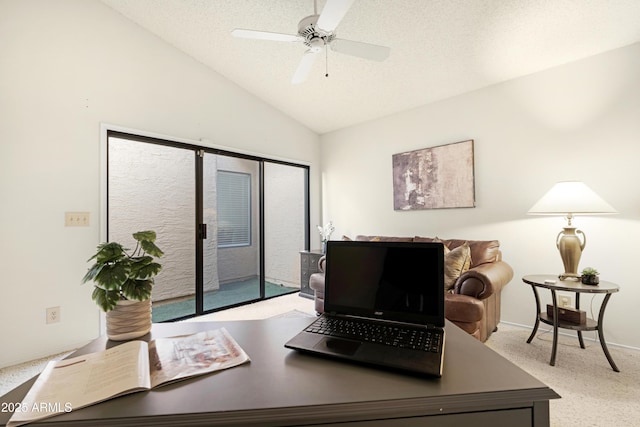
<point>199,151</point>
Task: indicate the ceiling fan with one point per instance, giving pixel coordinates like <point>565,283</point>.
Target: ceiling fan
<point>317,32</point>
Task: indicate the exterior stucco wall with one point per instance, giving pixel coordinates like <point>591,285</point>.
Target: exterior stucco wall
<point>285,222</point>
<point>152,187</point>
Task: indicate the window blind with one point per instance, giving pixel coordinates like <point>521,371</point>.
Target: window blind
<point>234,209</point>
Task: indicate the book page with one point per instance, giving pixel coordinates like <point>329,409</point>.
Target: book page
<point>185,356</point>
<point>71,384</point>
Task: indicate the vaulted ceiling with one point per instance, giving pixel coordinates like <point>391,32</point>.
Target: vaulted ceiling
<point>439,48</point>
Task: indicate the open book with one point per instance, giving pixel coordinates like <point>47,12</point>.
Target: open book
<point>70,384</point>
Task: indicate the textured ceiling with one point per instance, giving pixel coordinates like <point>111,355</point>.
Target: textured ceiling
<point>439,48</point>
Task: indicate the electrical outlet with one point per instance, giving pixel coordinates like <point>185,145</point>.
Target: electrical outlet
<point>76,219</point>
<point>565,301</point>
<point>53,315</point>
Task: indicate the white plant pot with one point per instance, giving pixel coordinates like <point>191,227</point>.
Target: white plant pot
<point>129,320</point>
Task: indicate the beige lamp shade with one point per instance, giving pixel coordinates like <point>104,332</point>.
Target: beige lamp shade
<point>571,198</point>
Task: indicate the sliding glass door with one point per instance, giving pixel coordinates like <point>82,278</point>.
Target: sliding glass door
<point>231,225</point>
<point>232,249</point>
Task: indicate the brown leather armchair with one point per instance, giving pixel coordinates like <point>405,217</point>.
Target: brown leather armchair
<point>474,302</point>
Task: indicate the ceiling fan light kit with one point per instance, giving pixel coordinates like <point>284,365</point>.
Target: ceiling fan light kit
<point>317,32</point>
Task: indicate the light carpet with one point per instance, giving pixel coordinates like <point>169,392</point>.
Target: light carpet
<point>592,393</point>
<point>13,376</point>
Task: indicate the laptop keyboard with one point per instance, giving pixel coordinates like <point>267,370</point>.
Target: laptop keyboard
<point>395,336</point>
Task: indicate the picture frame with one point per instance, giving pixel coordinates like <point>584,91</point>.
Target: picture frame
<point>440,177</point>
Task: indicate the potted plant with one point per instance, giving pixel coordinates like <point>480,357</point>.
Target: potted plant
<point>325,234</point>
<point>590,276</point>
<point>122,284</point>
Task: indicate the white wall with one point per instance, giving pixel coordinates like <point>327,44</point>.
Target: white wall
<point>65,67</point>
<point>580,121</point>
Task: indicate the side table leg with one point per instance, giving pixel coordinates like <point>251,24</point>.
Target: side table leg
<point>579,332</point>
<point>535,327</point>
<point>601,334</point>
<point>554,349</point>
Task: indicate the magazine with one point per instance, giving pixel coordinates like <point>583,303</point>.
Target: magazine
<point>70,384</point>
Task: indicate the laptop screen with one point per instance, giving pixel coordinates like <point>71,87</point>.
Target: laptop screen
<point>399,281</point>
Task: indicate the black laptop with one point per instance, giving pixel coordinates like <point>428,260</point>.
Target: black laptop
<point>384,306</point>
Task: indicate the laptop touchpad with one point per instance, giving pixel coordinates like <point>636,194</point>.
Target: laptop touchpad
<point>338,346</point>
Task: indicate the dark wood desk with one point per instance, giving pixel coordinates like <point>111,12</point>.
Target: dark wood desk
<point>281,387</point>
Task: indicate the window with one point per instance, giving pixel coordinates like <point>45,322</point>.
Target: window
<point>234,209</point>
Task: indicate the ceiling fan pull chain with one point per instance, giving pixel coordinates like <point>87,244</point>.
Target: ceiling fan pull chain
<point>326,62</point>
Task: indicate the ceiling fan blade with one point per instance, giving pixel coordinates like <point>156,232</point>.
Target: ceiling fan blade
<point>332,14</point>
<point>265,35</point>
<point>304,67</point>
<point>373,52</point>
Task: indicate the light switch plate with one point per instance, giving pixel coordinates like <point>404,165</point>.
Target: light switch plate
<point>76,219</point>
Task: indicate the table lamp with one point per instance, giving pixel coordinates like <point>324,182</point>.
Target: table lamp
<point>571,198</point>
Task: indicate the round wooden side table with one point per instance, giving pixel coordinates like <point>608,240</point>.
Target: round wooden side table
<point>553,283</point>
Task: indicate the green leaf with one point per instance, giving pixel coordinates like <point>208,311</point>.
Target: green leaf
<point>149,236</point>
<point>106,300</point>
<point>138,290</point>
<point>139,262</point>
<point>151,248</point>
<point>108,252</point>
<point>112,276</point>
<point>92,273</point>
<point>146,240</point>
<point>145,268</point>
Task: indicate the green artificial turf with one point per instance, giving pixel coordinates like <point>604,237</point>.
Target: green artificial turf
<point>229,294</point>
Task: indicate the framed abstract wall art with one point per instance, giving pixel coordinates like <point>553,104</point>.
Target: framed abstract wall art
<point>438,177</point>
